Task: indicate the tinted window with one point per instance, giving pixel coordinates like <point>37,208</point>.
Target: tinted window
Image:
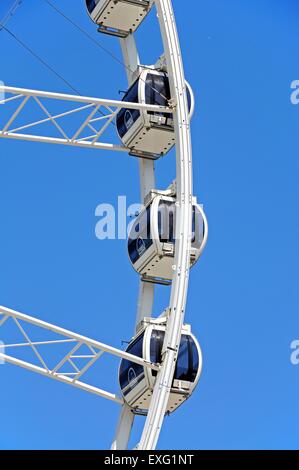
<point>157,91</point>
<point>166,223</point>
<point>157,340</point>
<point>131,373</point>
<point>198,228</point>
<point>194,215</point>
<point>91,4</point>
<point>189,98</point>
<point>188,359</point>
<point>140,240</point>
<point>166,217</point>
<point>127,117</point>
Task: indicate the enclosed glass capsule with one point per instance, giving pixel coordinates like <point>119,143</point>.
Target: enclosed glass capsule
<point>137,382</point>
<point>151,242</point>
<point>118,17</point>
<point>148,132</point>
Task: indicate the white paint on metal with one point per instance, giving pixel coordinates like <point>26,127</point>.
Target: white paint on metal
<point>124,428</point>
<point>73,336</point>
<point>75,139</point>
<point>84,99</point>
<point>61,378</point>
<point>175,68</point>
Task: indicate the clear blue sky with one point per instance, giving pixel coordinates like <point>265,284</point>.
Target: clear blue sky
<point>243,304</point>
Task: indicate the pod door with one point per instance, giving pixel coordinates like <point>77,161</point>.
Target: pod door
<point>151,243</point>
<point>150,133</point>
<point>188,366</point>
<point>157,92</point>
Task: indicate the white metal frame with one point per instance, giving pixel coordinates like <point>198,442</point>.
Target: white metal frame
<point>184,199</point>
<point>184,195</point>
<point>101,111</point>
<point>96,350</point>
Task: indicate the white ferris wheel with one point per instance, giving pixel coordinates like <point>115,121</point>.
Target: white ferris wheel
<point>162,364</point>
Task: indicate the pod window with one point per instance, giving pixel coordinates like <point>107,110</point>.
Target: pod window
<point>91,4</point>
<point>188,358</point>
<point>130,374</point>
<point>127,117</point>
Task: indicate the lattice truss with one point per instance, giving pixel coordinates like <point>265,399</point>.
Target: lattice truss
<point>63,119</point>
<point>58,354</point>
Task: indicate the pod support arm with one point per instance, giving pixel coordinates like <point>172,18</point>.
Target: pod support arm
<point>79,355</point>
<point>92,118</point>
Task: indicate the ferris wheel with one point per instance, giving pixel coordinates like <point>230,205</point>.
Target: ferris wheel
<point>162,364</point>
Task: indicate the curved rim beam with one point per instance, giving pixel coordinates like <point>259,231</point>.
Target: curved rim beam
<point>163,384</point>
<point>175,68</point>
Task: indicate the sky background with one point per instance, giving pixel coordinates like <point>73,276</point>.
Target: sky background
<point>240,57</point>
